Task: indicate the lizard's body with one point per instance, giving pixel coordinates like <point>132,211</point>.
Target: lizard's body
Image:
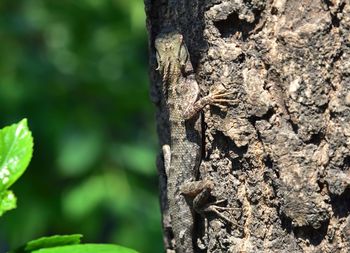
<point>184,143</point>
<point>182,158</point>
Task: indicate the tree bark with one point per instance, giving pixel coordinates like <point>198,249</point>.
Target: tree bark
<point>280,159</point>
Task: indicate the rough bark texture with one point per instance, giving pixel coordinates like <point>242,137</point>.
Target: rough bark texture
<point>281,158</point>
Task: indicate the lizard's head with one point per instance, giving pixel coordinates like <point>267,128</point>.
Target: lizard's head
<point>171,53</point>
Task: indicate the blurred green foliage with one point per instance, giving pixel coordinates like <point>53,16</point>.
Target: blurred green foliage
<point>78,71</point>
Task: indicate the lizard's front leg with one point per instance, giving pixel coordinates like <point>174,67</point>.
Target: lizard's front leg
<point>216,98</point>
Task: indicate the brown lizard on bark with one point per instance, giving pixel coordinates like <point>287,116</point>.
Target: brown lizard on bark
<point>183,154</point>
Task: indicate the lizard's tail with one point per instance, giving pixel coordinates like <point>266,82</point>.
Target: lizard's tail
<point>182,225</point>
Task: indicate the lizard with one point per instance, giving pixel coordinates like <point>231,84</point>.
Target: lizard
<point>182,155</point>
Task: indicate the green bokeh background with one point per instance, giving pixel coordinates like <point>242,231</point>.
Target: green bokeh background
<point>78,71</point>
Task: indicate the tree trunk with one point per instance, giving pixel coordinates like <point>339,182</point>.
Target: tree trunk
<point>280,159</point>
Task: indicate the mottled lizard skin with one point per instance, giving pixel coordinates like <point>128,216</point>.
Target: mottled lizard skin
<point>182,155</point>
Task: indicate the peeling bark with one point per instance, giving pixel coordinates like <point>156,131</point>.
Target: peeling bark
<point>280,158</point>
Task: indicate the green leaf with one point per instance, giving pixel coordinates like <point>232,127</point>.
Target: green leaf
<point>49,242</point>
<point>16,149</point>
<point>7,201</point>
<point>87,248</point>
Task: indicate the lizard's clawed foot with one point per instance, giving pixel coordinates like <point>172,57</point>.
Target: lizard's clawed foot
<point>200,192</point>
<point>220,97</point>
<point>215,209</point>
